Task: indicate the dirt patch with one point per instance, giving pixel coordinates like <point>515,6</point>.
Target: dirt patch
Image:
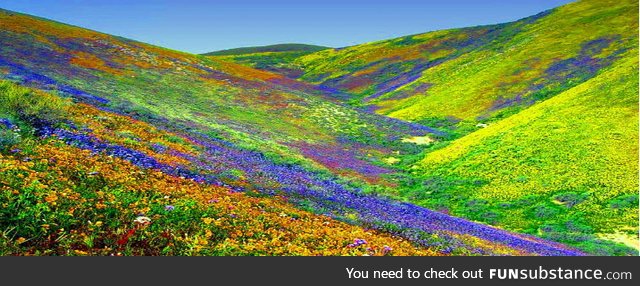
<point>419,140</point>
<point>624,238</point>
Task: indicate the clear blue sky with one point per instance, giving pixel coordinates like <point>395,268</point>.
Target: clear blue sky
<point>200,26</point>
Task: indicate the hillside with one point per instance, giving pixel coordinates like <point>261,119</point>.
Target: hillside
<point>564,169</point>
<point>539,118</point>
<point>254,109</point>
<point>512,139</point>
<point>274,58</point>
<point>112,189</point>
<point>478,74</point>
<point>115,147</point>
<point>278,48</point>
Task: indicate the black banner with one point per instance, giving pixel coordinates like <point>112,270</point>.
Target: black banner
<point>324,270</point>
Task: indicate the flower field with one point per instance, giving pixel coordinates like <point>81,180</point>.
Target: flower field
<point>455,142</point>
<point>84,191</point>
<point>537,119</point>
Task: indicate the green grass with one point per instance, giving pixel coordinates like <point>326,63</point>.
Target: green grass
<point>555,153</point>
<point>276,58</point>
<point>467,86</point>
<point>564,169</point>
<point>270,48</point>
<point>556,96</point>
<point>19,103</point>
<point>26,111</point>
<point>467,81</point>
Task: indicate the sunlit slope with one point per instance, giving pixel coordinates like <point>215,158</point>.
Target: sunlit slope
<point>256,109</point>
<point>278,48</point>
<point>283,63</point>
<point>77,180</point>
<point>268,135</point>
<point>479,73</point>
<point>276,58</point>
<point>565,169</point>
<point>111,146</point>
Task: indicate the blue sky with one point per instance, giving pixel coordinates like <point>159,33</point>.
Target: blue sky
<point>200,26</point>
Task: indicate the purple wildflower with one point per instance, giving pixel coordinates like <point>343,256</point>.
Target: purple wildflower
<point>386,250</point>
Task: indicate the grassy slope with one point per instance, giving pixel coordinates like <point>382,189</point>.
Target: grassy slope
<point>564,166</point>
<point>520,69</point>
<point>58,199</point>
<point>228,106</point>
<point>278,62</point>
<point>275,58</point>
<point>564,169</point>
<point>255,109</point>
<point>479,73</point>
<point>147,122</point>
<point>270,48</point>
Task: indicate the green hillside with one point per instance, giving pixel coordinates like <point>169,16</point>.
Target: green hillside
<point>275,58</point>
<point>254,109</point>
<point>110,146</point>
<point>540,118</point>
<point>564,169</point>
<point>278,48</point>
<point>478,74</point>
<point>518,138</point>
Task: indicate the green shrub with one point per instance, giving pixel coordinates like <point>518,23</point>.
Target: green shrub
<point>625,201</point>
<point>542,211</point>
<point>33,107</point>
<point>8,138</point>
<point>570,199</point>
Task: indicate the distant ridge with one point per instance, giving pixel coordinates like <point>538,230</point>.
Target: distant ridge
<point>269,48</point>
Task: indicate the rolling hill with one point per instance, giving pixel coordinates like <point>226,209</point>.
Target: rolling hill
<point>479,73</point>
<point>530,110</point>
<point>111,146</point>
<point>274,58</point>
<point>279,48</point>
<point>511,139</point>
<point>564,169</point>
